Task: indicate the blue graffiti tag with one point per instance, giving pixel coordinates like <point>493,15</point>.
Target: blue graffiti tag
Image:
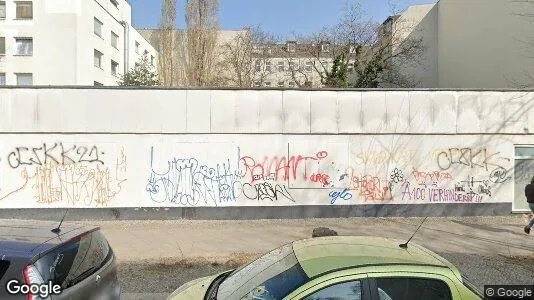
<point>344,194</point>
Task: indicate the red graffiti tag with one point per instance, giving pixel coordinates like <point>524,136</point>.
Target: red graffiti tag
<point>431,176</point>
<point>278,167</point>
<point>320,178</point>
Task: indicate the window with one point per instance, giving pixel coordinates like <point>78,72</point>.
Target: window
<point>114,68</point>
<point>24,79</point>
<point>2,9</point>
<point>412,288</point>
<point>24,46</point>
<point>280,66</point>
<point>268,84</point>
<point>137,47</point>
<point>292,65</point>
<point>98,27</point>
<point>352,49</point>
<point>98,59</point>
<point>96,83</point>
<point>268,66</point>
<point>115,3</point>
<point>75,261</point>
<point>114,40</point>
<point>280,84</point>
<point>257,66</point>
<point>309,66</point>
<point>152,60</point>
<point>291,46</point>
<point>145,53</point>
<point>24,10</point>
<point>272,276</point>
<point>308,84</point>
<point>350,68</point>
<point>2,78</point>
<point>2,45</point>
<point>4,265</point>
<point>350,290</point>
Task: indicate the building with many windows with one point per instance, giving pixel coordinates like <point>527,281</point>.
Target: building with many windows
<point>75,42</point>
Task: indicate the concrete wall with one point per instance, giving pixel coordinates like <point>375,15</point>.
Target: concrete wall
<point>419,22</point>
<point>252,148</point>
<point>484,44</point>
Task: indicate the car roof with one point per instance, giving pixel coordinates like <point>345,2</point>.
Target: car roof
<point>322,255</point>
<point>30,240</point>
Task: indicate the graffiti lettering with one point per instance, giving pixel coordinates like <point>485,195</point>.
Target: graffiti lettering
<point>266,191</point>
<point>57,153</point>
<point>371,188</point>
<point>499,175</point>
<point>321,178</point>
<point>434,176</point>
<point>413,193</point>
<point>186,182</point>
<point>75,184</point>
<point>282,167</point>
<point>335,195</point>
<point>473,158</point>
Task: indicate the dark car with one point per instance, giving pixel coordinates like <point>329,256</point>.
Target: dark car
<point>75,263</point>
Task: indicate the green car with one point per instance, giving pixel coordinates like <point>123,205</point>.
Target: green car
<point>338,267</point>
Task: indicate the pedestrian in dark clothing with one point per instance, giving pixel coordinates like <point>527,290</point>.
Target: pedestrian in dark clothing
<point>529,193</point>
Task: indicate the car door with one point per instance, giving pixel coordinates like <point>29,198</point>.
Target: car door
<point>334,286</point>
<point>412,286</point>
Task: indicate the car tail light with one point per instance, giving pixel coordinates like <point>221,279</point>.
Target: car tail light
<point>32,276</point>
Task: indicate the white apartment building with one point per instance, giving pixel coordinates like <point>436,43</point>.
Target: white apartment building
<point>68,42</point>
<point>295,65</point>
<point>471,44</point>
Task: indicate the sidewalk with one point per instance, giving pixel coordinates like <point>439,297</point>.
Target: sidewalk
<point>224,240</point>
<point>220,241</point>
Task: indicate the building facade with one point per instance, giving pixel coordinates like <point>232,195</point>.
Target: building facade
<point>298,65</point>
<point>472,44</point>
<point>53,42</point>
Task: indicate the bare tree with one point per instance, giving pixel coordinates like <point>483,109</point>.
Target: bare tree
<point>165,42</point>
<point>247,57</point>
<point>373,53</point>
<point>201,38</point>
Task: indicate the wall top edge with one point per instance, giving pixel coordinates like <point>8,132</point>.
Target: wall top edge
<point>80,87</point>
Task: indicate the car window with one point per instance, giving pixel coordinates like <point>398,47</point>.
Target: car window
<point>350,290</point>
<point>4,265</point>
<point>76,260</point>
<point>272,276</point>
<point>403,288</point>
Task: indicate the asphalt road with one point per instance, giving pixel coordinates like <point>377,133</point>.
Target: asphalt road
<point>157,281</point>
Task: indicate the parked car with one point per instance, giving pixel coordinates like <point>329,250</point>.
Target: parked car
<point>338,267</point>
<point>75,262</point>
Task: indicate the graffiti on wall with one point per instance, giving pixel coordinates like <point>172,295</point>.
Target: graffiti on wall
<point>73,175</point>
<point>62,173</point>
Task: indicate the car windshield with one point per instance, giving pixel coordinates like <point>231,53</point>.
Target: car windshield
<point>272,276</point>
